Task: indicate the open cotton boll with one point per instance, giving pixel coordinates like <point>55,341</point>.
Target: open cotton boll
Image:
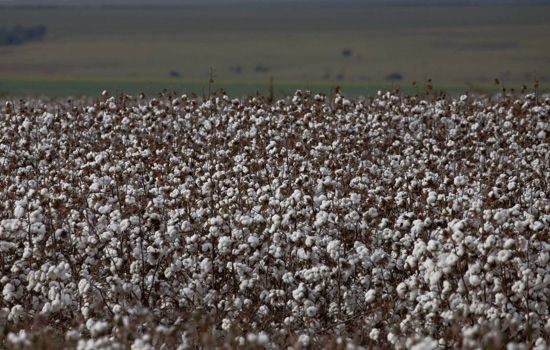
<point>370,296</point>
<point>460,180</point>
<point>432,198</point>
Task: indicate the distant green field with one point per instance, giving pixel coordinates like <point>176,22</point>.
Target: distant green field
<point>137,49</point>
<point>94,87</point>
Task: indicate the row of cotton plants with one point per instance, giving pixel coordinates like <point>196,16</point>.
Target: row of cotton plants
<point>312,222</point>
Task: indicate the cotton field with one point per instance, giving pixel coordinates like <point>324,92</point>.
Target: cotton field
<point>312,222</point>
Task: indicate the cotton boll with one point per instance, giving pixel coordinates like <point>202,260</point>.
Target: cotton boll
<point>333,249</point>
<point>432,198</point>
<point>452,259</point>
<point>427,343</point>
<point>432,246</point>
<point>543,258</point>
<point>501,216</point>
<point>460,180</point>
<point>370,296</point>
<point>504,255</point>
<point>355,198</point>
<point>509,243</point>
<point>374,334</point>
<point>372,212</point>
<point>262,339</point>
<point>401,289</point>
<point>435,277</point>
<point>304,340</point>
<point>321,219</point>
<point>311,311</point>
<point>299,293</point>
<point>474,280</point>
<point>457,236</point>
<point>19,211</point>
<point>253,241</point>
<point>206,265</point>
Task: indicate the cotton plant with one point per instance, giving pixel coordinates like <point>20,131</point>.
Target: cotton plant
<point>177,221</point>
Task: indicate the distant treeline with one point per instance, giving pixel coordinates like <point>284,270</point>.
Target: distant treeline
<point>19,35</point>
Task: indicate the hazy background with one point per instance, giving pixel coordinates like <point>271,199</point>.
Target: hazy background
<point>74,47</point>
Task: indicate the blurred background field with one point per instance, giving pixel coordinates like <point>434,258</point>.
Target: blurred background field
<point>361,47</point>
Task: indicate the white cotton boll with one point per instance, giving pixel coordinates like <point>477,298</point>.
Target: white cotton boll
<point>401,288</point>
<point>105,209</point>
<point>419,249</point>
<point>474,269</point>
<point>427,343</point>
<point>355,198</point>
<point>509,243</point>
<point>46,309</point>
<point>224,245</point>
<point>518,287</point>
<point>253,241</point>
<point>411,261</point>
<point>188,292</point>
<point>447,287</point>
<point>72,336</point>
<point>370,296</point>
<point>56,305</point>
<point>540,344</point>
<point>432,246</point>
<point>372,212</point>
<point>475,280</point>
<point>311,311</point>
<point>377,256</point>
<point>537,226</point>
<point>520,226</point>
<point>489,242</point>
<point>288,278</point>
<point>84,286</point>
<point>501,216</point>
<point>304,340</point>
<point>452,259</point>
<point>460,180</point>
<point>8,291</point>
<point>458,236</point>
<point>263,339</point>
<point>435,277</point>
<point>19,212</point>
<point>303,254</point>
<point>124,224</point>
<point>246,220</point>
<point>320,219</point>
<point>504,255</point>
<point>500,299</point>
<point>544,257</point>
<point>226,324</point>
<point>126,287</point>
<point>299,293</point>
<point>333,249</point>
<point>325,205</point>
<point>206,265</point>
<point>99,328</point>
<point>374,334</point>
